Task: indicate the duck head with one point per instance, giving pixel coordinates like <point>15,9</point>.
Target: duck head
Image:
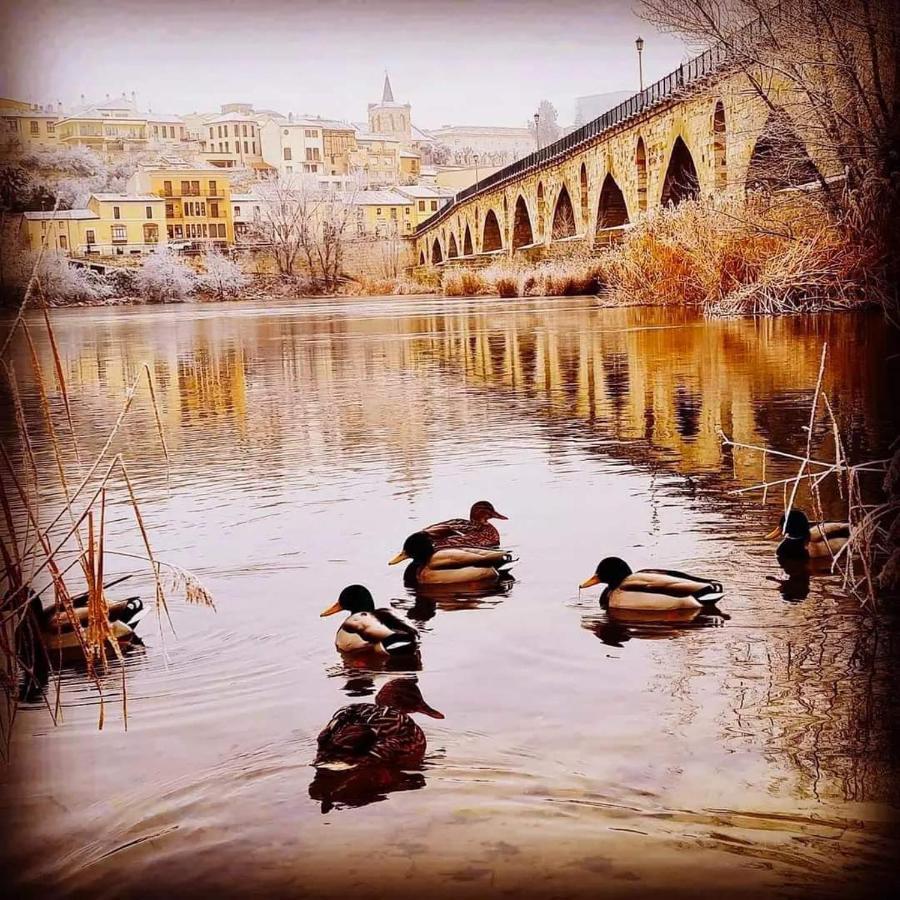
<point>418,547</point>
<point>794,525</point>
<point>612,571</point>
<point>353,599</point>
<point>484,510</point>
<point>403,694</point>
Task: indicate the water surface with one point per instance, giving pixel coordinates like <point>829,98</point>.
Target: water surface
<point>581,754</point>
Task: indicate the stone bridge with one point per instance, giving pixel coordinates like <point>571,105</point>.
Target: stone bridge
<point>702,130</point>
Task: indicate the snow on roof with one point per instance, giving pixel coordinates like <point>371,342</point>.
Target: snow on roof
<point>424,191</point>
<point>372,136</point>
<point>245,198</point>
<point>125,197</point>
<point>230,117</point>
<point>380,198</point>
<point>37,215</point>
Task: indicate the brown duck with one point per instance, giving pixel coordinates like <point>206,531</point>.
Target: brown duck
<point>380,732</point>
<point>476,531</point>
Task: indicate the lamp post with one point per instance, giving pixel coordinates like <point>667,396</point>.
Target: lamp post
<point>537,132</point>
<point>639,43</point>
<point>475,157</point>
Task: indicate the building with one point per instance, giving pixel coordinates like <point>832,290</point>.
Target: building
<point>245,212</point>
<point>592,106</point>
<point>383,214</point>
<point>293,146</point>
<point>110,225</point>
<point>338,147</point>
<point>389,117</point>
<point>231,140</point>
<point>426,200</point>
<point>24,125</point>
<point>117,125</point>
<point>495,144</point>
<point>376,159</point>
<point>455,178</point>
<point>410,166</point>
<point>197,201</point>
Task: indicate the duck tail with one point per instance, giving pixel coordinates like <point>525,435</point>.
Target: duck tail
<point>710,594</point>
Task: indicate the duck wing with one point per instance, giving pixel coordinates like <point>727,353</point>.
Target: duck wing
<point>459,557</point>
<point>674,584</point>
<point>348,735</point>
<point>396,624</point>
<point>447,528</point>
<point>830,530</point>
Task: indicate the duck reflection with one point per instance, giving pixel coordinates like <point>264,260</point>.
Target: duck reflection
<point>616,627</point>
<point>360,671</point>
<point>364,752</point>
<point>426,600</point>
<point>795,587</point>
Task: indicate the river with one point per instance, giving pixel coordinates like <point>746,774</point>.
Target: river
<point>581,754</point>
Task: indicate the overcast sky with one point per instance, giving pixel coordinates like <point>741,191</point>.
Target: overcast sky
<point>455,61</point>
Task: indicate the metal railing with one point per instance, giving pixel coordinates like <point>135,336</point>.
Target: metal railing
<point>667,88</point>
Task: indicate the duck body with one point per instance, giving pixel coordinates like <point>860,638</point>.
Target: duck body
<point>476,531</point>
<point>802,539</point>
<point>370,630</point>
<point>652,589</point>
<point>382,732</point>
<point>452,565</point>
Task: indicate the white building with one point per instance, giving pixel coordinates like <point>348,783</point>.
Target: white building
<point>293,146</point>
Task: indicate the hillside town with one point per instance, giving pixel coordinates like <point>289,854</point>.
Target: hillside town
<point>111,181</point>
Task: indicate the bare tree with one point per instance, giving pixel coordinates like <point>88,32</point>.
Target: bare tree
<point>287,215</point>
<point>335,212</point>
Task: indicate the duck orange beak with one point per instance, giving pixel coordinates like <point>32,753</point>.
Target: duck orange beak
<point>774,534</point>
<point>398,559</point>
<point>334,608</point>
<point>594,579</point>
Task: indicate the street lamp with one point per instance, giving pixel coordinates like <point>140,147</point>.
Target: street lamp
<point>537,133</point>
<point>475,157</point>
<point>639,43</point>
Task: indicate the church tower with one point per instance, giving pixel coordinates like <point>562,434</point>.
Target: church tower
<point>389,117</point>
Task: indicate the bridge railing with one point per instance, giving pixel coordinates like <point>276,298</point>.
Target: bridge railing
<point>666,88</point>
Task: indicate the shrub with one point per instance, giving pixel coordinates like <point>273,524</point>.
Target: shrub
<point>223,278</point>
<point>463,283</point>
<point>163,277</point>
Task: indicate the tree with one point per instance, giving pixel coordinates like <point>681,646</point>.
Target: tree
<point>164,277</point>
<point>288,207</point>
<point>224,278</point>
<point>548,129</point>
<point>334,215</point>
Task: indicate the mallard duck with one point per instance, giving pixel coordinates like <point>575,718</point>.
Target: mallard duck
<point>367,629</point>
<point>379,732</point>
<point>451,565</point>
<point>476,531</point>
<point>651,589</point>
<point>802,539</point>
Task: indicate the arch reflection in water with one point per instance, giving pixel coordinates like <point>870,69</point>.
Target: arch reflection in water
<point>615,627</point>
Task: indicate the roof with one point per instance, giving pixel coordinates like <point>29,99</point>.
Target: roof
<point>245,198</point>
<point>419,135</point>
<point>9,111</point>
<point>387,95</point>
<point>229,117</point>
<point>424,191</point>
<point>61,214</point>
<point>410,154</point>
<point>380,198</point>
<point>124,197</point>
<point>162,117</point>
<point>371,136</point>
<point>505,130</point>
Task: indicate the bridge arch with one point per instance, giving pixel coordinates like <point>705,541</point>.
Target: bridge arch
<point>468,249</point>
<point>640,163</point>
<point>491,236</point>
<point>523,233</point>
<point>585,209</point>
<point>612,211</point>
<point>436,255</point>
<point>779,158</point>
<point>452,249</point>
<point>563,216</point>
<point>421,257</point>
<point>720,170</point>
<point>541,211</point>
<point>681,182</point>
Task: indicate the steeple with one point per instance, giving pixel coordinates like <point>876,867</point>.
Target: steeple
<point>387,95</point>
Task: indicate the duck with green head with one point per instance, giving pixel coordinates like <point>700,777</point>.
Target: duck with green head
<point>367,629</point>
<point>802,539</point>
<point>452,565</point>
<point>651,589</point>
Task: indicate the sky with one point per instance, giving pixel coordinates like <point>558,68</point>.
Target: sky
<point>457,62</point>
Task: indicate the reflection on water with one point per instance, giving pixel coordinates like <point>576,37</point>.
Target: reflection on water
<point>751,749</point>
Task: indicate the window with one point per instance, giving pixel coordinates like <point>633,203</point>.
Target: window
<point>225,127</point>
<point>221,229</point>
<point>119,234</point>
<point>289,169</point>
<point>149,211</point>
<point>227,146</point>
<point>170,210</point>
<point>179,231</point>
<point>155,131</point>
<point>171,131</point>
<point>51,128</point>
<point>378,211</point>
<point>151,234</point>
<point>170,232</point>
<point>211,133</point>
<point>287,153</point>
<point>237,211</point>
<point>214,210</point>
<point>185,188</point>
<point>212,189</point>
<point>393,212</point>
<point>63,244</point>
<point>312,153</point>
<point>434,204</point>
<point>245,147</point>
<point>311,133</point>
<point>90,236</point>
<point>202,209</point>
<point>254,148</point>
<point>204,230</point>
<point>167,188</point>
<point>220,131</point>
<point>421,206</point>
<point>117,213</point>
<point>244,129</point>
<point>35,127</point>
<point>195,188</point>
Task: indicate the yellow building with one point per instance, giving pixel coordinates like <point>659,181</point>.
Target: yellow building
<point>426,200</point>
<point>197,200</point>
<point>110,225</point>
<point>376,159</point>
<point>410,166</point>
<point>25,125</point>
<point>383,214</point>
<point>338,147</point>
